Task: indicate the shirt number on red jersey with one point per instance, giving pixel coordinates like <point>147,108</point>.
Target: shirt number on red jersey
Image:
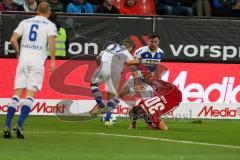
<point>154,104</point>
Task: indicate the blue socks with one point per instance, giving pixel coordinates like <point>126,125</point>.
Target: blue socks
<point>110,108</point>
<point>10,113</point>
<point>11,110</point>
<point>97,95</point>
<point>111,105</point>
<point>24,114</point>
<point>25,110</point>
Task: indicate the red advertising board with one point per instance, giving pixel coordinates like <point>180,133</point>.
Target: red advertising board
<point>199,82</point>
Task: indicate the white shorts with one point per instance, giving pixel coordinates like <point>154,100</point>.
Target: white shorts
<point>106,73</point>
<point>29,77</point>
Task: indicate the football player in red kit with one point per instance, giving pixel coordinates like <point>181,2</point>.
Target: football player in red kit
<point>166,97</point>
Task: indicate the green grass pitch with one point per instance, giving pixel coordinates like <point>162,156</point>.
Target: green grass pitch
<point>48,138</point>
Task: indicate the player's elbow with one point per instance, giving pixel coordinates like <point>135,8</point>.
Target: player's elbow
<point>13,40</point>
<point>98,61</point>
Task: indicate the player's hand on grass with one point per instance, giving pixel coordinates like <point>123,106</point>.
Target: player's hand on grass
<point>133,125</point>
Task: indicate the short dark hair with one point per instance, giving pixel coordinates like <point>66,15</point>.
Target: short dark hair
<point>154,35</point>
<point>127,43</point>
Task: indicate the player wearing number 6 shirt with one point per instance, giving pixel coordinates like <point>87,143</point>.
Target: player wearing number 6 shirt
<point>166,98</point>
<point>36,34</point>
<point>111,63</point>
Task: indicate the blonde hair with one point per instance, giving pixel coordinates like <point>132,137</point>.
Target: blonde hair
<point>43,8</point>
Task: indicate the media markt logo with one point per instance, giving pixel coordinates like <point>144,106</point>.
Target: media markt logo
<point>227,112</point>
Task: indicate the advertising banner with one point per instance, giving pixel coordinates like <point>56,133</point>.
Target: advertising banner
<point>200,40</point>
<point>209,90</point>
<point>81,108</point>
<point>199,82</point>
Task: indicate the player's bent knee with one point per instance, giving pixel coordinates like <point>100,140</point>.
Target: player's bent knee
<point>28,101</point>
<point>18,91</point>
<point>31,92</point>
<point>110,95</point>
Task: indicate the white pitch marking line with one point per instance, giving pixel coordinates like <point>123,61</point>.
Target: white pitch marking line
<point>142,137</point>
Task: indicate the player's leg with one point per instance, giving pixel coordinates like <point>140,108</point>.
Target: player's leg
<point>110,105</point>
<point>95,81</point>
<point>112,102</point>
<point>113,99</point>
<point>99,108</point>
<point>12,107</point>
<point>19,85</point>
<point>97,94</point>
<point>35,77</point>
<point>123,92</point>
<point>100,75</point>
<point>27,104</point>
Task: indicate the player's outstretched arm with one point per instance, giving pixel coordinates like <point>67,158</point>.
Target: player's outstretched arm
<point>14,42</point>
<point>51,41</point>
<point>160,71</point>
<point>134,62</point>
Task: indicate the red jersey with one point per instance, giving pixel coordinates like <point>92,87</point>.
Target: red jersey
<point>160,105</point>
<point>166,97</point>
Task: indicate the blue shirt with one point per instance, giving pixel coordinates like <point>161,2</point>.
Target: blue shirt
<point>148,58</point>
<point>217,4</point>
<point>81,8</point>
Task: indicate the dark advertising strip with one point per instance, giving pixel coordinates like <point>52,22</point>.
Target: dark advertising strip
<point>182,39</point>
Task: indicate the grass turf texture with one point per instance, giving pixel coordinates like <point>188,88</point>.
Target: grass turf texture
<point>48,138</point>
